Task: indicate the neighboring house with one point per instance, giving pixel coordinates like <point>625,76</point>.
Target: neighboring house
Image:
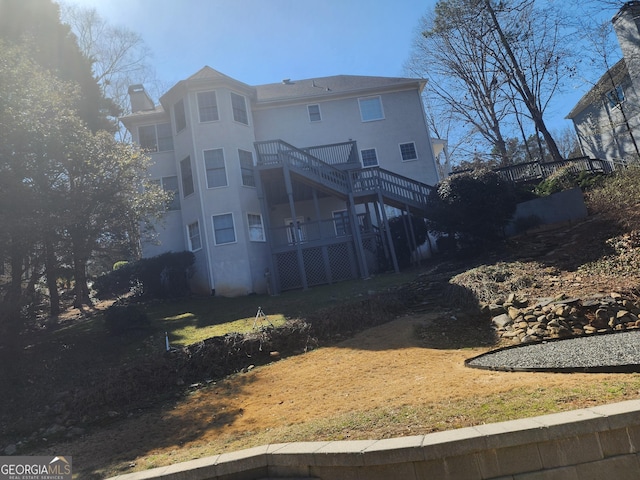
<point>285,185</point>
<point>607,118</point>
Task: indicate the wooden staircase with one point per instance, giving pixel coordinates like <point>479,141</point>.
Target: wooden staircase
<point>344,176</point>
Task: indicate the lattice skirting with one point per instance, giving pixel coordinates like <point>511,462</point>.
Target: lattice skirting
<point>326,264</point>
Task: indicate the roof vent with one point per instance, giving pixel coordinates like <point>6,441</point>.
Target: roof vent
<point>287,81</point>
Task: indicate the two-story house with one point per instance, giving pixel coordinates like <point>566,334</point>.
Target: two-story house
<point>285,185</point>
<point>607,118</point>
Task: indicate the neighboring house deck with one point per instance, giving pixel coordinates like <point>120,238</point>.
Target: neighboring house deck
<point>537,171</point>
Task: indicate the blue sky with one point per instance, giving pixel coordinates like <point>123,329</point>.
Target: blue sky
<point>265,41</point>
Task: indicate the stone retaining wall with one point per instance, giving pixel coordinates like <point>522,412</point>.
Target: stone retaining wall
<point>595,443</point>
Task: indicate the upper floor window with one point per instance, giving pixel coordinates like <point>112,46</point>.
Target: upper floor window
<point>239,107</point>
<point>615,96</point>
<point>371,109</point>
<point>223,229</point>
<point>195,242</point>
<point>408,151</point>
<point>170,184</point>
<point>180,115</point>
<point>369,157</point>
<point>156,138</point>
<point>208,106</point>
<point>215,167</point>
<point>314,113</point>
<point>187,177</point>
<point>246,168</point>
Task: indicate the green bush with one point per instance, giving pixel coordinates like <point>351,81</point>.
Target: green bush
<point>565,179</point>
<point>163,276</point>
<point>120,319</point>
<point>473,207</point>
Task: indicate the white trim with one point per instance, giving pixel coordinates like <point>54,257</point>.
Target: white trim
<point>224,161</point>
<point>191,249</point>
<point>362,160</point>
<point>361,99</point>
<point>264,233</point>
<point>233,223</point>
<point>253,164</point>
<point>215,94</point>
<point>415,149</point>
<point>246,108</point>
<point>309,113</point>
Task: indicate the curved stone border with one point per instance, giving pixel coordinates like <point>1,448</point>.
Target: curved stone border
<point>563,355</point>
<point>597,442</point>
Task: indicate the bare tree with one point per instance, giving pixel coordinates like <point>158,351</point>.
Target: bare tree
<point>463,83</point>
<point>495,64</point>
<point>527,51</point>
<point>120,56</point>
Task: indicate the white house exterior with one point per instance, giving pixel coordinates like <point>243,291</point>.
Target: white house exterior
<point>607,118</point>
<point>284,185</point>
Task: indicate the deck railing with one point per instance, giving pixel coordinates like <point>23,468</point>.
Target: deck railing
<point>345,153</point>
<point>359,181</point>
<point>278,152</point>
<point>524,172</point>
<point>401,188</point>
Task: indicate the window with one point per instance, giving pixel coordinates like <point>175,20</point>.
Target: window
<point>370,109</point>
<point>615,96</point>
<point>246,168</point>
<point>408,151</point>
<point>170,184</point>
<point>341,223</point>
<point>180,115</point>
<point>214,165</point>
<point>314,113</point>
<point>156,138</point>
<point>193,230</point>
<point>239,108</point>
<point>369,157</point>
<point>187,177</point>
<point>223,230</point>
<point>165,137</point>
<point>296,230</point>
<point>256,228</point>
<point>208,106</point>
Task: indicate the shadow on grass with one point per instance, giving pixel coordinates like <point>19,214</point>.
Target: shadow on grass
<point>116,444</point>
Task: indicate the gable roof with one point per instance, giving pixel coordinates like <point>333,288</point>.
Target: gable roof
<point>329,86</point>
<point>607,82</point>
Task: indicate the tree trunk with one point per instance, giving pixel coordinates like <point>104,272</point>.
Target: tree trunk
<point>10,307</point>
<point>522,86</point>
<point>52,278</point>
